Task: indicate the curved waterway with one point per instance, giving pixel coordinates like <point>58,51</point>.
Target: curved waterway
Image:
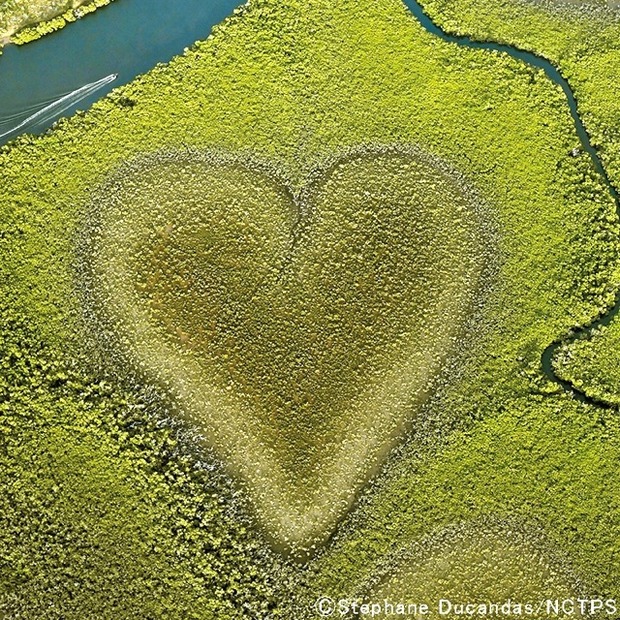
<point>129,37</point>
<point>552,73</point>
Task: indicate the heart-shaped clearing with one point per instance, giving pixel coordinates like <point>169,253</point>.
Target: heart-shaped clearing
<point>300,333</point>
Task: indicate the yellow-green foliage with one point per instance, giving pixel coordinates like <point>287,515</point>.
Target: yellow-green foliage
<point>584,43</point>
<point>507,467</point>
<point>475,564</point>
<point>593,365</point>
<point>584,6</point>
<point>300,332</point>
<point>295,84</point>
<point>100,516</point>
<point>22,21</point>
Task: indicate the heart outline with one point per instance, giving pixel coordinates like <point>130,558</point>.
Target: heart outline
<point>305,525</point>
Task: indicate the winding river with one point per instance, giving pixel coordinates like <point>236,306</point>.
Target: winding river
<point>553,74</point>
<point>116,43</point>
<point>127,37</point>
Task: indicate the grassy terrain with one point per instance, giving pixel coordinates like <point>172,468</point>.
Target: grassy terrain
<point>480,563</point>
<point>508,468</point>
<point>288,326</point>
<point>296,85</point>
<point>25,20</point>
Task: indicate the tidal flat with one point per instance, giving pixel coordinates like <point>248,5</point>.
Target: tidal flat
<point>300,333</point>
<point>295,85</point>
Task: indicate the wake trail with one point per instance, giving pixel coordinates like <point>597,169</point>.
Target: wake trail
<point>30,109</point>
<point>60,105</point>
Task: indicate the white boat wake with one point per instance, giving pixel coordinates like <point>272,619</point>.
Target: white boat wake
<point>57,106</point>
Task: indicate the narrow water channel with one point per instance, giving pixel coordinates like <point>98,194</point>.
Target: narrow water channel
<point>553,74</point>
<point>130,37</point>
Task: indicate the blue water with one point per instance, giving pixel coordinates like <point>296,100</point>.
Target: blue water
<point>586,331</point>
<point>127,37</point>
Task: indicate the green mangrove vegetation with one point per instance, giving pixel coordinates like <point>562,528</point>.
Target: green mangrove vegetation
<point>592,364</point>
<point>583,41</point>
<point>101,515</point>
<point>477,565</point>
<point>225,286</point>
<point>319,181</point>
<point>584,6</point>
<point>22,21</point>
